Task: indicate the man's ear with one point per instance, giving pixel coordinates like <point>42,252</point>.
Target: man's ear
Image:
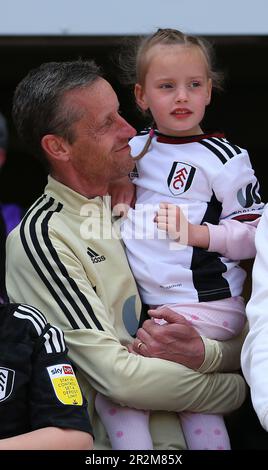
<point>55,147</point>
<point>140,97</point>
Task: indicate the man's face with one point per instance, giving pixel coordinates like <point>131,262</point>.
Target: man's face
<point>100,152</point>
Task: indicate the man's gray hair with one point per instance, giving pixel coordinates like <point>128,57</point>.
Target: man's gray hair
<point>38,103</point>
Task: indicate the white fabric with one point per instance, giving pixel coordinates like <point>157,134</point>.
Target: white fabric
<point>220,319</point>
<point>255,350</point>
<point>210,188</point>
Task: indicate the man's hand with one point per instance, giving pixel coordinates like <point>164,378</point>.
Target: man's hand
<point>175,341</point>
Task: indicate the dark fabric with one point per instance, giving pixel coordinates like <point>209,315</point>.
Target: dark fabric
<point>27,396</point>
<point>245,430</point>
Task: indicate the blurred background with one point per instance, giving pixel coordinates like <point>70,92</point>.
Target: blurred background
<point>34,31</point>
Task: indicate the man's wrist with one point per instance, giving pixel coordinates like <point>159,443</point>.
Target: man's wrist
<point>213,356</point>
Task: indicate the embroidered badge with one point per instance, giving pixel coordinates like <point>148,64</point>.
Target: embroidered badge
<point>7,377</point>
<point>180,178</point>
<point>65,384</point>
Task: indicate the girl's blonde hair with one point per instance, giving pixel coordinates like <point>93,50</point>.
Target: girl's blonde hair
<point>174,37</point>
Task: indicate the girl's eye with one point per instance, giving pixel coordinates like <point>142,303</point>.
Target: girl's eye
<point>166,85</point>
<point>195,84</point>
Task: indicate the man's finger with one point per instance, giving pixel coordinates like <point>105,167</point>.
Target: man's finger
<point>142,335</point>
<point>168,315</point>
<point>139,347</point>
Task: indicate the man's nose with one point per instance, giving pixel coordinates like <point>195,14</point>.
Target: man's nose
<point>127,129</point>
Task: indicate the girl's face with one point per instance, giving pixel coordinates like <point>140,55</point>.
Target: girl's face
<point>176,89</point>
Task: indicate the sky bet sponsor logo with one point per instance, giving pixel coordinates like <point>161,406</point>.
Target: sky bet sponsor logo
<point>95,257</point>
<point>65,384</point>
<point>61,370</point>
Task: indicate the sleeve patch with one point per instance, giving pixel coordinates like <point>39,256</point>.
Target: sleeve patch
<point>7,377</point>
<point>65,384</point>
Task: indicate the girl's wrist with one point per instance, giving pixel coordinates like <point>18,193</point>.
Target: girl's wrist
<point>198,236</point>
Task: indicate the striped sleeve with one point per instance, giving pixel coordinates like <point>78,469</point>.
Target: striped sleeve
<point>45,257</point>
<point>235,185</point>
<point>53,336</point>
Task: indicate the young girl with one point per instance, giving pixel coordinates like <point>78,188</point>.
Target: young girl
<point>186,234</point>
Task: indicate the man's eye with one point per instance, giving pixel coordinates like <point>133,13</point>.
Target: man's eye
<point>108,122</point>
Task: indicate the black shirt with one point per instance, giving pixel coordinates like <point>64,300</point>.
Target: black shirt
<point>38,387</point>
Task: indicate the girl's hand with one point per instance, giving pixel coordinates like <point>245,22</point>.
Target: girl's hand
<point>172,220</point>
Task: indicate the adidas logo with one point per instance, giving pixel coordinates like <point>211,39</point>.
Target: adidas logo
<point>95,258</point>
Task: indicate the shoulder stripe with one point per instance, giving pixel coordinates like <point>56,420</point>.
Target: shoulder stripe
<point>49,258</point>
<point>60,336</point>
<point>35,312</point>
<point>223,146</point>
<point>213,149</point>
<point>235,147</point>
<point>54,341</point>
<point>31,319</point>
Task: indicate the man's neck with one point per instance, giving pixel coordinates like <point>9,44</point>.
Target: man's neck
<point>86,188</point>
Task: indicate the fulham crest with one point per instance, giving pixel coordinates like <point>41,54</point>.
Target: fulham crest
<point>6,382</point>
<point>180,178</point>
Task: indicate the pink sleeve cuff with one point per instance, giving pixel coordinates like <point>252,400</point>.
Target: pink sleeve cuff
<point>233,239</point>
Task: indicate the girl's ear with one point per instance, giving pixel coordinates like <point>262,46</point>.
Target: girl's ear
<point>209,91</point>
<point>140,97</point>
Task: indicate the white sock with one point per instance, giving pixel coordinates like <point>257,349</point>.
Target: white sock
<point>127,428</point>
<point>204,431</point>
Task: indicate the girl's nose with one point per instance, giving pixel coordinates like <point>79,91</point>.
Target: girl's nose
<point>181,95</point>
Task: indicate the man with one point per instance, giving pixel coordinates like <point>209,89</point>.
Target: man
<point>66,258</point>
